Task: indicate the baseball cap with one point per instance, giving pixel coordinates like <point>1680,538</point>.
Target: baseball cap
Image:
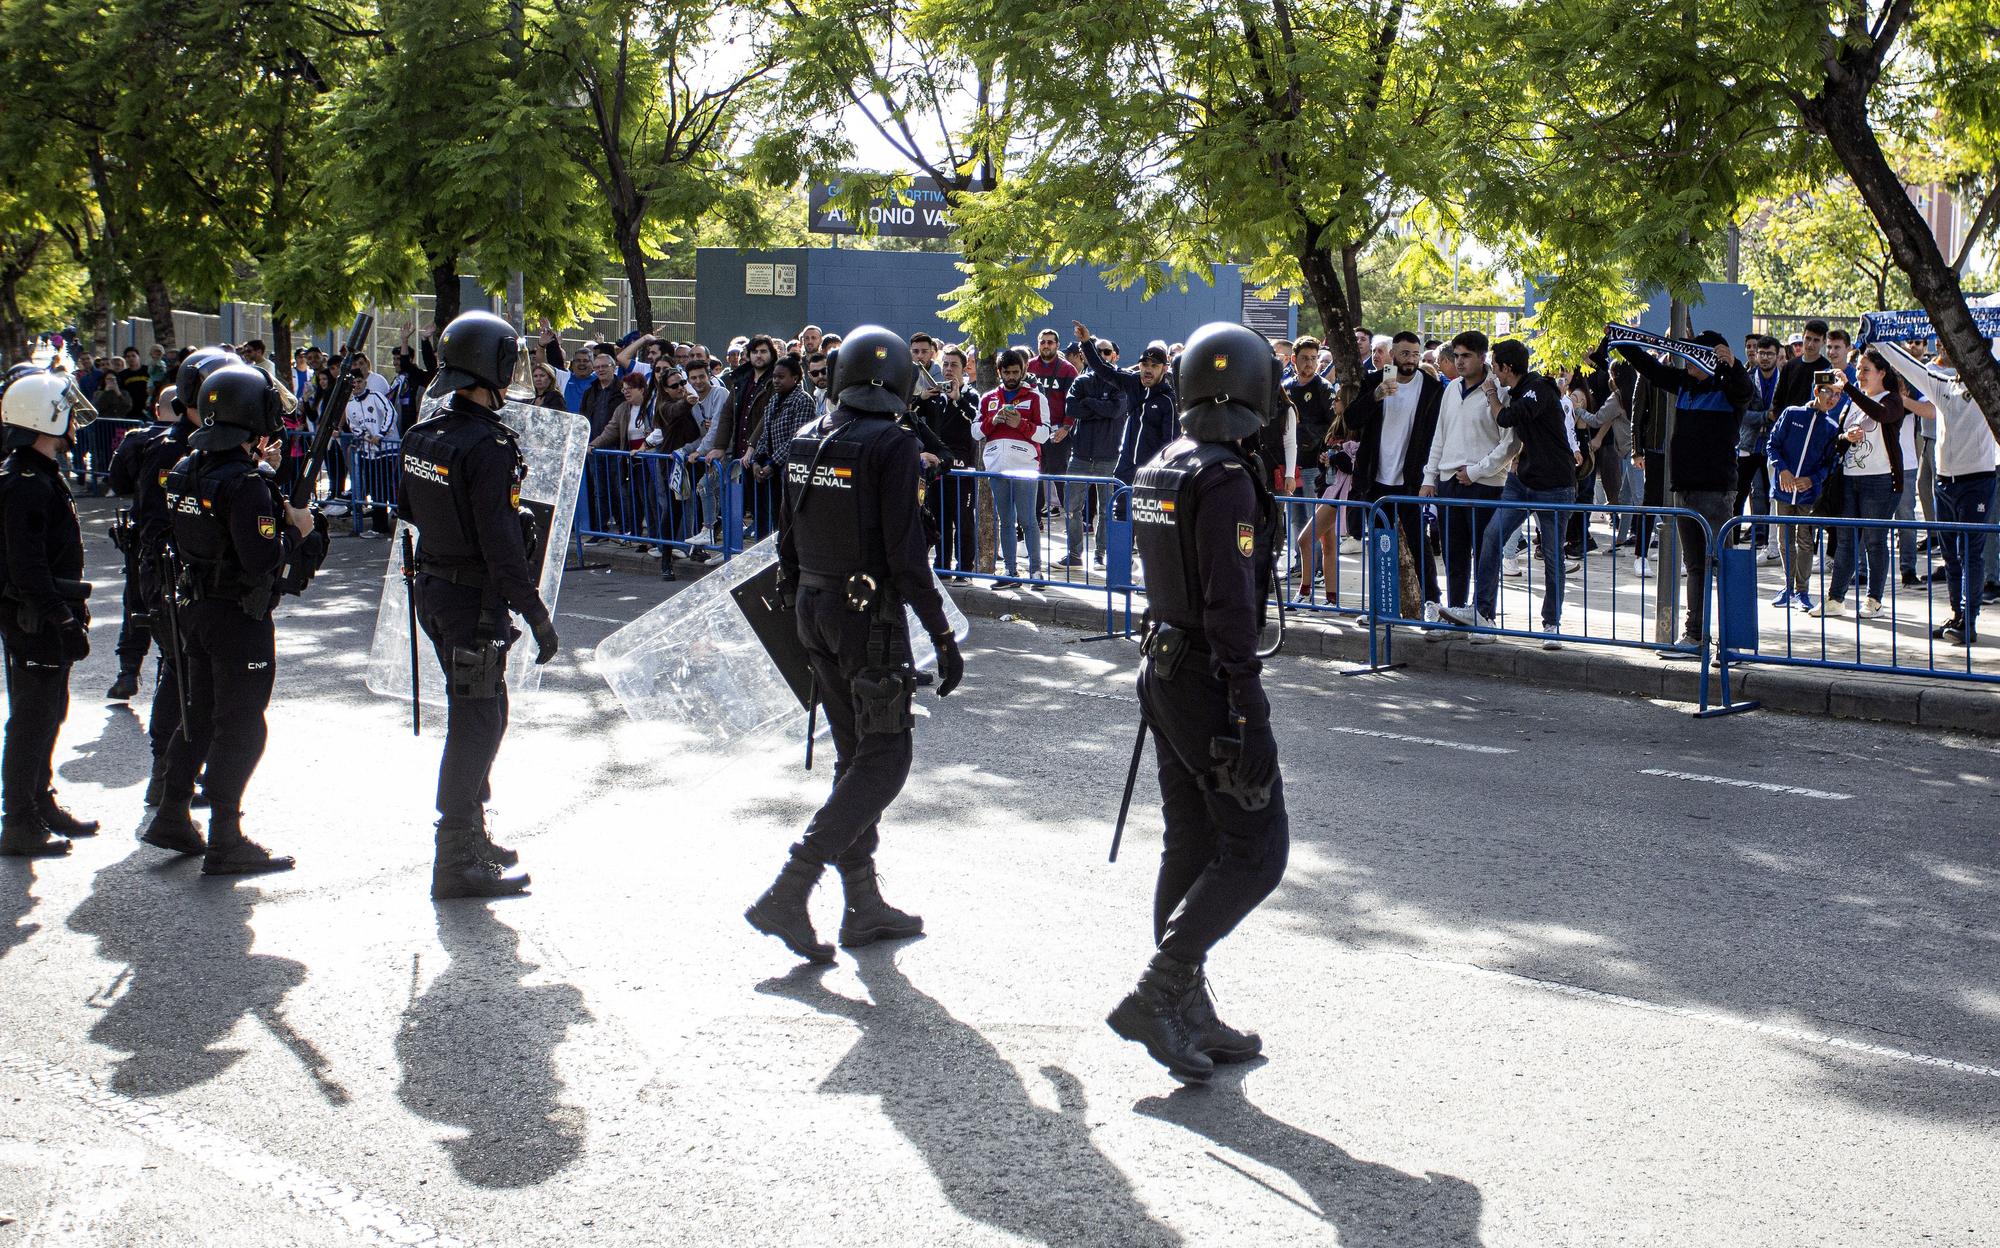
<point>1155,353</point>
<point>1711,338</point>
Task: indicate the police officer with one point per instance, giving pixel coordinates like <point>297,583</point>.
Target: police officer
<point>42,614</point>
<point>462,473</point>
<point>852,547</point>
<point>139,471</point>
<point>1205,523</point>
<point>240,546</point>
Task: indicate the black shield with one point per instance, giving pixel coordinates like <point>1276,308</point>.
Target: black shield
<point>777,626</point>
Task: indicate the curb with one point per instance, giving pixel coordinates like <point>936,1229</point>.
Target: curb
<point>1946,706</point>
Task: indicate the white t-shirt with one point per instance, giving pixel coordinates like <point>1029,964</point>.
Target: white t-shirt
<point>1870,456</point>
<point>1399,418</point>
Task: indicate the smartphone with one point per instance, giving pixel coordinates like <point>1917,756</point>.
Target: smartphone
<point>1824,377</point>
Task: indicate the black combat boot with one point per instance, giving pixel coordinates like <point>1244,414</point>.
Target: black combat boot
<point>782,911</point>
<point>60,820</point>
<point>125,686</point>
<point>1154,1014</point>
<point>492,850</point>
<point>868,918</point>
<point>232,853</point>
<point>174,829</point>
<point>1218,1039</point>
<point>26,836</point>
<point>463,869</point>
<point>156,785</point>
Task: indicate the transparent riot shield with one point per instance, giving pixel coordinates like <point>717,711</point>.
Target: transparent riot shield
<point>555,444</point>
<point>695,660</point>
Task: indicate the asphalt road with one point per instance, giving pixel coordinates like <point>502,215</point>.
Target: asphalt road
<point>1548,969</point>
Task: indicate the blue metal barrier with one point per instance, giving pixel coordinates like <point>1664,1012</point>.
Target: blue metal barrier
<point>1100,562</point>
<point>374,482</point>
<point>663,499</point>
<point>96,442</point>
<point>1316,529</point>
<point>1902,634</point>
<point>1399,519</point>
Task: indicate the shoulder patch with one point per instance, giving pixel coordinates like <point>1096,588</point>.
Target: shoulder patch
<point>1246,540</point>
<point>267,527</point>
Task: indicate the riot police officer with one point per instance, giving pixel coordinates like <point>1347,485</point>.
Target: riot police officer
<point>462,474</point>
<point>139,470</point>
<point>240,546</point>
<point>1205,523</point>
<point>852,551</point>
<point>42,614</point>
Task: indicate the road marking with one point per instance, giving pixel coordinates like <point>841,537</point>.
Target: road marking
<point>356,1211</point>
<point>1443,745</point>
<point>1760,785</point>
<point>594,619</point>
<point>1103,697</point>
<point>1720,1020</point>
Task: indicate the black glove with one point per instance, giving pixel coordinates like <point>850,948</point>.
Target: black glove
<point>75,638</point>
<point>951,664</point>
<point>546,641</point>
<point>1257,766</point>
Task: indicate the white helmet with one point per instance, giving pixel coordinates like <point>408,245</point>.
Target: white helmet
<point>43,404</point>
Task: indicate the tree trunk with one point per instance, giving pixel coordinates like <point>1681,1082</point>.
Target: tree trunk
<point>160,308</point>
<point>13,328</point>
<point>1324,287</point>
<point>444,289</point>
<point>281,345</point>
<point>1350,269</point>
<point>1840,115</point>
<point>634,259</point>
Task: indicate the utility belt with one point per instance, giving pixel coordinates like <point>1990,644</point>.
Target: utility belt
<point>1168,645</point>
<point>201,582</point>
<point>470,575</point>
<point>30,619</point>
<point>863,590</point>
<point>885,689</point>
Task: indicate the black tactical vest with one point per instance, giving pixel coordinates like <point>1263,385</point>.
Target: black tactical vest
<point>149,499</point>
<point>1163,528</point>
<point>200,493</point>
<point>834,505</point>
<point>437,496</point>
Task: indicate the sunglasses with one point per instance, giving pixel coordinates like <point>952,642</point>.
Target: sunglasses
<point>673,385</point>
<point>815,372</point>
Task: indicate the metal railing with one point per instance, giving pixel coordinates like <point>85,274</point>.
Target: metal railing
<point>1899,631</point>
<point>663,499</point>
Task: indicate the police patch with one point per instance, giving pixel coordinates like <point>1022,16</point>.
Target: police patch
<point>267,527</point>
<point>1220,362</point>
<point>1246,540</point>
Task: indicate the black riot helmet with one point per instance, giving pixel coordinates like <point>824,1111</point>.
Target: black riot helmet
<point>236,402</point>
<point>193,371</point>
<point>1227,381</point>
<point>480,349</point>
<point>872,371</point>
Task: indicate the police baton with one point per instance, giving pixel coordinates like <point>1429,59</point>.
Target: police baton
<point>1131,779</point>
<point>410,603</point>
<point>812,719</point>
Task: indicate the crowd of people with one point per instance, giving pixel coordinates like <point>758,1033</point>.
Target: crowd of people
<point>1807,427</point>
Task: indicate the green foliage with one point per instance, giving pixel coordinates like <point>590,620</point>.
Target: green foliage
<point>1821,251</point>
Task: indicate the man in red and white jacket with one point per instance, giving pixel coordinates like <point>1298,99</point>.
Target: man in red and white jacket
<point>1012,426</point>
<point>1050,373</point>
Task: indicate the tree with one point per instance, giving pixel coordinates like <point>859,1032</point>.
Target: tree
<point>664,86</point>
<point>1284,134</point>
<point>1820,251</point>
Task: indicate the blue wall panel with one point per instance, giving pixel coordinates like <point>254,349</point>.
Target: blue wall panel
<point>843,287</point>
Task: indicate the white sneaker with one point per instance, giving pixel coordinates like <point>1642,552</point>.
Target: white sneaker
<point>1572,566</point>
<point>1770,555</point>
<point>1642,567</point>
<point>1484,639</point>
<point>1549,639</point>
<point>1870,608</point>
<point>334,509</point>
<point>1461,616</point>
<point>1350,545</point>
<point>1431,613</point>
<point>1829,607</point>
<point>1516,569</point>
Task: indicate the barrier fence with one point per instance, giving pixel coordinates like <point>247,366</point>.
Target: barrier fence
<point>1352,558</point>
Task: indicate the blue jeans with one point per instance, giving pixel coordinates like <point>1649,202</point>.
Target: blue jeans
<point>1505,523</point>
<point>1076,501</point>
<point>1967,500</point>
<point>1014,504</point>
<point>1868,498</point>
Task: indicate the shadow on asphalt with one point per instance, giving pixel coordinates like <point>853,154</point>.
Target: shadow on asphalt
<point>17,902</point>
<point>1001,1159</point>
<point>189,975</point>
<point>106,758</point>
<point>1370,1205</point>
<point>477,1050</point>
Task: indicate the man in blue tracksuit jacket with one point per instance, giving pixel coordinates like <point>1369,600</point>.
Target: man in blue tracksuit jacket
<point>1151,420</point>
<point>1799,457</point>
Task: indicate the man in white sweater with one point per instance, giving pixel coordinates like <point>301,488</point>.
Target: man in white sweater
<point>1966,457</point>
<point>1469,458</point>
